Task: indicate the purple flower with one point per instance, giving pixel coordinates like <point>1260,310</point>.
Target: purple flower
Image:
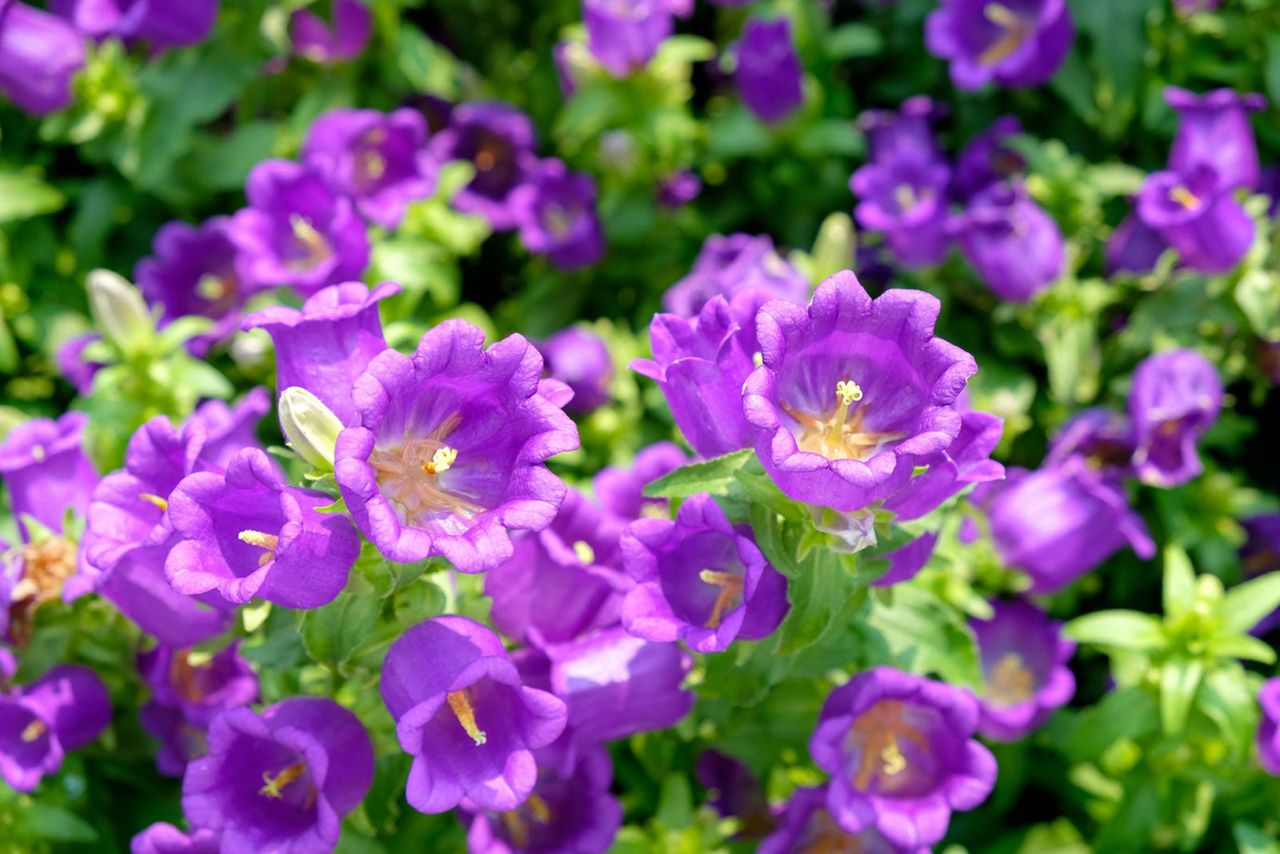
<point>734,792</point>
<point>906,132</point>
<point>281,780</point>
<point>161,24</point>
<point>906,561</point>
<point>621,490</point>
<point>73,365</point>
<point>1016,43</point>
<point>164,838</point>
<point>905,198</point>
<point>463,715</point>
<point>39,54</point>
<point>806,826</point>
<point>229,429</point>
<point>678,189</point>
<point>327,344</point>
<point>1269,727</point>
<point>769,75</point>
<point>1102,437</point>
<point>1059,522</point>
<point>623,35</point>
<point>853,393</point>
<point>561,582</point>
<point>1012,244</point>
<point>564,813</point>
<point>46,471</point>
<point>1175,398</point>
<point>700,580</point>
<point>498,140</point>
<point>64,709</point>
<point>986,160</point>
<point>617,685</point>
<point>1197,215</point>
<point>345,39</point>
<point>700,366</point>
<point>1214,131</point>
<point>1259,555</point>
<point>247,534</point>
<point>1024,669</point>
<point>376,159</point>
<point>556,212</point>
<point>138,588</point>
<point>297,231</point>
<point>580,359</point>
<point>196,271</point>
<point>450,450</point>
<point>1134,247</point>
<point>901,755</point>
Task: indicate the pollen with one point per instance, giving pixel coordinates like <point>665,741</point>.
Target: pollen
<point>154,500</point>
<point>33,731</point>
<point>730,588</point>
<point>273,785</point>
<point>1016,32</point>
<point>460,703</point>
<point>848,392</point>
<point>214,288</point>
<point>583,551</point>
<point>441,461</point>
<point>892,762</point>
<point>1010,681</point>
<point>538,809</point>
<point>269,543</point>
<point>1189,200</point>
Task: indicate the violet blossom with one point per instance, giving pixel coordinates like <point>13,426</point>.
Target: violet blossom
<point>1197,214</point>
<point>579,358</point>
<point>46,471</point>
<point>621,490</point>
<point>1175,397</point>
<point>498,140</point>
<point>1214,131</point>
<point>345,38</point>
<point>40,53</point>
<point>159,23</point>
<point>1013,245</point>
<point>1015,43</point>
<point>64,709</point>
<point>623,35</point>
<point>1025,675</point>
<point>769,75</point>
<point>806,825</point>
<point>556,214</point>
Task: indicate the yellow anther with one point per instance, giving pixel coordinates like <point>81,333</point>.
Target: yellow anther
<point>1016,31</point>
<point>892,761</point>
<point>375,166</point>
<point>213,287</point>
<point>273,785</point>
<point>538,809</point>
<point>33,730</point>
<point>441,461</point>
<point>730,587</point>
<point>1010,681</point>
<point>848,391</point>
<point>1001,15</point>
<point>267,542</point>
<point>37,453</point>
<point>460,703</point>
<point>154,500</point>
<point>583,551</point>
<point>1185,197</point>
<point>905,196</point>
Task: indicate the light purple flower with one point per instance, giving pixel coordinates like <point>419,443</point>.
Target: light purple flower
<point>623,35</point>
<point>853,393</point>
<point>1011,243</point>
<point>903,133</point>
<point>965,462</point>
<point>164,838</point>
<point>986,160</point>
<point>378,160</point>
<point>1197,215</point>
<point>1175,398</point>
<point>160,23</point>
<point>46,471</point>
<point>580,359</point>
<point>1214,131</point>
<point>905,198</point>
<point>282,779</point>
<point>1268,739</point>
<point>1015,43</point>
<point>678,189</point>
<point>700,580</point>
<point>326,44</point>
<point>39,55</point>
<point>498,140</point>
<point>806,825</point>
<point>1024,669</point>
<point>229,429</point>
<point>297,231</point>
<point>621,490</point>
<point>769,74</point>
<point>73,365</point>
<point>326,346</point>
<point>463,715</point>
<point>64,709</point>
<point>901,755</point>
<point>449,455</point>
<point>556,212</point>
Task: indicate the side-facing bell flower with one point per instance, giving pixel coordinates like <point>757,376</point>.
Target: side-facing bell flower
<point>39,55</point>
<point>164,838</point>
<point>700,580</point>
<point>1134,247</point>
<point>580,359</point>
<point>986,160</point>
<point>1025,675</point>
<point>905,199</point>
<point>556,213</point>
<point>463,715</point>
<point>137,587</point>
<point>297,231</point>
<point>498,140</point>
<point>46,471</point>
<point>623,35</point>
<point>328,343</point>
<point>1197,215</point>
<point>853,393</point>
<point>1013,245</point>
<point>965,462</point>
<point>451,449</point>
<point>621,490</point>
<point>1214,130</point>
<point>326,43</point>
<point>805,825</point>
<point>64,709</point>
<point>904,132</point>
<point>282,779</point>
<point>1176,396</point>
<point>160,24</point>
<point>1018,44</point>
<point>769,74</point>
<point>901,755</point>
<point>246,533</point>
<point>1103,437</point>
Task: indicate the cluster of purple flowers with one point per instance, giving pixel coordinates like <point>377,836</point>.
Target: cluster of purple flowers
<point>907,188</point>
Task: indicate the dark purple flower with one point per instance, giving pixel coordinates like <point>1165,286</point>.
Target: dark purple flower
<point>564,813</point>
<point>621,490</point>
<point>247,534</point>
<point>327,344</point>
<point>1134,247</point>
<point>181,742</point>
<point>1269,727</point>
<point>1059,522</point>
<point>377,159</point>
<point>678,189</point>
<point>1024,669</point>
<point>1012,244</point>
<point>561,582</point>
<point>1102,437</point>
<point>463,715</point>
<point>853,393</point>
<point>161,24</point>
<point>580,359</point>
<point>1016,43</point>
<point>1259,555</point>
<point>906,561</point>
<point>64,709</point>
<point>1214,131</point>
<point>700,366</point>
<point>39,54</point>
<point>297,231</point>
<point>806,827</point>
<point>73,365</point>
<point>201,689</point>
<point>1175,398</point>
<point>163,838</point>
<point>905,198</point>
<point>769,75</point>
<point>498,140</point>
<point>901,755</point>
<point>138,588</point>
<point>556,212</point>
<point>1197,215</point>
<point>624,35</point>
<point>326,44</point>
<point>700,580</point>
<point>906,132</point>
<point>281,780</point>
<point>46,471</point>
<point>450,451</point>
<point>733,791</point>
<point>986,160</point>
<point>195,271</point>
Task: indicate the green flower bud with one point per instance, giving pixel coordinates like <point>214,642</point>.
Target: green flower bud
<point>120,312</point>
<point>309,426</point>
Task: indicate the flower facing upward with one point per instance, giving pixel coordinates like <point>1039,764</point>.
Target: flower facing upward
<point>1015,43</point>
<point>556,213</point>
<point>901,755</point>
<point>769,74</point>
<point>1024,669</point>
<point>853,393</point>
<point>463,715</point>
<point>64,709</point>
<point>905,198</point>
<point>1175,398</point>
<point>498,140</point>
<point>449,455</point>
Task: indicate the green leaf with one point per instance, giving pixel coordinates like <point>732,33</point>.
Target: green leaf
<point>1245,604</point>
<point>1117,630</point>
<point>1123,713</point>
<point>852,40</point>
<point>1272,70</point>
<point>925,635</point>
<point>1229,700</point>
<point>675,805</point>
<point>332,633</point>
<point>1179,582</point>
<point>1243,647</point>
<point>54,824</point>
<point>1179,680</point>
<point>23,196</point>
<point>714,476</point>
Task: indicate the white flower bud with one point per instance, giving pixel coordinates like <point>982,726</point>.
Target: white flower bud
<point>119,311</point>
<point>309,426</point>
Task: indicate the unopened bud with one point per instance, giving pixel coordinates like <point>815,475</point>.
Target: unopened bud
<point>835,246</point>
<point>309,426</point>
<point>119,311</point>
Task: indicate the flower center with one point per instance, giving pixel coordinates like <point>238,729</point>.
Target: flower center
<point>460,704</point>
<point>1010,681</point>
<point>516,826</point>
<point>906,198</point>
<point>441,461</point>
<point>37,453</point>
<point>730,589</point>
<point>1184,197</point>
<point>876,736</point>
<point>410,476</point>
<point>186,676</point>
<point>558,219</point>
<point>213,288</point>
<point>273,785</point>
<point>1015,31</point>
<point>33,731</point>
<point>269,543</point>
<point>310,247</point>
<point>583,551</point>
<point>154,500</point>
<point>839,436</point>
